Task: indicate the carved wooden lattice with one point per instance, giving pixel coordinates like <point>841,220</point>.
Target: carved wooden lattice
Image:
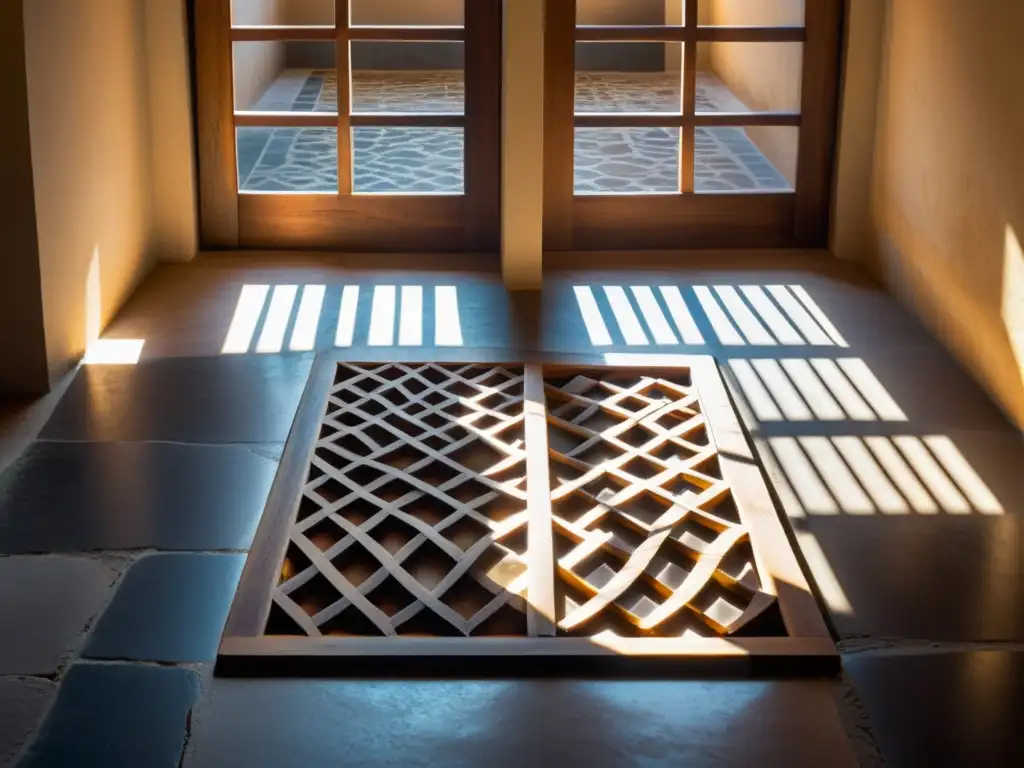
<point>413,516</point>
<point>462,512</point>
<point>651,540</point>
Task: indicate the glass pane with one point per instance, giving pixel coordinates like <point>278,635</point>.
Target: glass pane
<point>626,160</point>
<point>288,13</point>
<point>746,159</point>
<point>749,77</point>
<point>752,13</point>
<point>628,77</point>
<point>407,13</point>
<point>604,13</point>
<point>300,160</point>
<point>285,76</point>
<point>409,160</point>
<point>408,77</point>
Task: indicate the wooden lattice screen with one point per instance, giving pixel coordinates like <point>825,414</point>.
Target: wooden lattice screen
<point>469,513</point>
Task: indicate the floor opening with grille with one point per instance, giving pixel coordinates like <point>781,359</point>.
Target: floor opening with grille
<point>438,518</point>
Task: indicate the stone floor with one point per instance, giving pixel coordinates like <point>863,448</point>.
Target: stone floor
<point>124,523</point>
<point>430,160</point>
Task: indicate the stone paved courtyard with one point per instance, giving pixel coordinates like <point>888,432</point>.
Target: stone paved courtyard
<point>430,160</point>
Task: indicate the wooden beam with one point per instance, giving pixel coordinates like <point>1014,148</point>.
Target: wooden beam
<point>279,33</point>
<point>523,128</point>
<point>560,97</point>
<point>820,96</point>
<point>215,124</point>
<point>343,60</point>
<point>669,34</point>
<point>540,594</point>
<point>407,34</point>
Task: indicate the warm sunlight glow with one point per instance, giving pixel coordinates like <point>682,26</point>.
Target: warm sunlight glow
<point>812,389</point>
<point>814,497</point>
<point>769,313</point>
<point>282,301</point>
<point>845,393</point>
<point>625,317</point>
<point>307,321</point>
<point>799,316</point>
<point>755,392</point>
<point>346,331</point>
<point>114,352</point>
<point>896,469</point>
<point>932,475</point>
<point>819,389</point>
<point>831,591</point>
<point>782,390</point>
<point>724,329</point>
<point>93,300</point>
<point>592,319</point>
<point>681,316</point>
<point>897,475</point>
<point>751,328</point>
<point>960,470</point>
<point>382,316</point>
<point>820,317</point>
<point>876,395</point>
<point>1013,295</point>
<point>447,322</point>
<point>246,318</point>
<point>653,316</point>
<point>410,327</point>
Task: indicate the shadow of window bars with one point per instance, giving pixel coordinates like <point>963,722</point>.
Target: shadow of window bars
<point>746,315</point>
<point>274,319</point>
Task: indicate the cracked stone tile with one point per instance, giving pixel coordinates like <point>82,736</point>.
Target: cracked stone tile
<point>46,604</point>
<point>23,703</point>
<point>117,716</point>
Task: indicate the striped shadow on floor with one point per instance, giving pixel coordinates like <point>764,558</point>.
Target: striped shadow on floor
<point>274,319</point>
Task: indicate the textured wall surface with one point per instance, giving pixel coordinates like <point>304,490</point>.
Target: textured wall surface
<point>949,180</point>
<point>90,127</point>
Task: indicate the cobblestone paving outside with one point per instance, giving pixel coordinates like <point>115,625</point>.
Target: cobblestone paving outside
<point>430,160</point>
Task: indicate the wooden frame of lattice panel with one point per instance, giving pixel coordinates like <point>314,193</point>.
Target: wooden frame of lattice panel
<point>532,570</point>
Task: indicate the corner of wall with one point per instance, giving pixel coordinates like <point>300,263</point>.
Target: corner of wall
<point>175,201</point>
<point>853,236</point>
<point>23,368</point>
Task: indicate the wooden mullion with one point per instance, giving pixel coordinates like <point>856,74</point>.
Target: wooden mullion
<point>407,119</point>
<point>343,55</point>
<point>820,104</point>
<point>688,137</point>
<point>751,34</point>
<point>251,34</point>
<point>723,119</point>
<point>684,34</point>
<point>559,108</point>
<point>633,34</point>
<point>254,119</point>
<point>540,539</point>
<point>482,121</point>
<point>399,34</point>
<point>215,106</point>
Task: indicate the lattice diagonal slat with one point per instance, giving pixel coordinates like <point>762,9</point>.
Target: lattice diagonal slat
<point>413,516</point>
<point>649,537</point>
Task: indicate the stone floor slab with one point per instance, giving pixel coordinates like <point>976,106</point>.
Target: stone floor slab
<point>66,497</point>
<point>943,708</point>
<point>117,715</point>
<point>517,723</point>
<point>23,703</point>
<point>222,400</point>
<point>170,608</point>
<point>46,603</point>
